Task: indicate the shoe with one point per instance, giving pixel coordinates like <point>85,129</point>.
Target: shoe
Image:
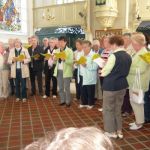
<point>44,97</point>
<point>12,93</point>
<point>100,109</point>
<point>61,104</point>
<point>120,135</point>
<point>125,114</point>
<point>17,99</point>
<point>111,135</point>
<point>131,124</point>
<point>32,94</point>
<point>68,105</point>
<point>135,127</point>
<point>83,106</point>
<point>54,96</point>
<point>41,94</point>
<point>24,100</point>
<point>75,99</point>
<point>90,107</point>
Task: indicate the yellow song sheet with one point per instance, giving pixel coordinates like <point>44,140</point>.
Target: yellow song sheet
<point>95,56</point>
<point>61,55</point>
<point>47,55</point>
<point>81,61</point>
<point>146,57</point>
<point>21,57</point>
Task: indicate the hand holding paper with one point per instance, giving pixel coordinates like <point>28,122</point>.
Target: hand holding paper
<point>36,57</point>
<point>20,58</point>
<point>47,56</point>
<point>100,62</point>
<point>60,55</point>
<point>27,46</point>
<point>95,56</point>
<point>81,61</point>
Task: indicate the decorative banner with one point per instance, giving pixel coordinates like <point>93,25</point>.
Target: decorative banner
<point>13,16</point>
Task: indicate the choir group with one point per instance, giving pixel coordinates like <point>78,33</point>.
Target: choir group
<point>110,69</point>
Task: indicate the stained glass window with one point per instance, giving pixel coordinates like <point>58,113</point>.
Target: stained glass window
<point>13,16</point>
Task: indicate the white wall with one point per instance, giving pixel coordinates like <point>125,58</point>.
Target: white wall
<point>65,14</point>
<point>4,37</point>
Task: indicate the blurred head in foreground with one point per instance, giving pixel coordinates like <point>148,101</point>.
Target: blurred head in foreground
<point>87,138</point>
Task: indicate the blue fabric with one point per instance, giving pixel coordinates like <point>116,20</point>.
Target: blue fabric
<point>20,84</point>
<point>90,71</point>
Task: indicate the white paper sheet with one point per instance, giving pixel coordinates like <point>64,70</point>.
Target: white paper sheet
<point>100,62</point>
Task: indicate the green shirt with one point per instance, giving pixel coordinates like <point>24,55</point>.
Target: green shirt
<point>67,64</point>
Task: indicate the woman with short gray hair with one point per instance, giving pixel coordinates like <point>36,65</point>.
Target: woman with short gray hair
<point>138,43</point>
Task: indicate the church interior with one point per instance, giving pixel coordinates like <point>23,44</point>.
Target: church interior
<point>46,87</point>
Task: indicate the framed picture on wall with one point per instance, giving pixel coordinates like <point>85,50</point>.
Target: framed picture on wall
<point>100,2</point>
<point>101,33</point>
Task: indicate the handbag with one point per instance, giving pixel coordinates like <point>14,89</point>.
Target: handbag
<point>137,94</point>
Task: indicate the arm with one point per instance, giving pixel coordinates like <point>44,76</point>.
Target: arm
<point>28,58</point>
<point>109,66</point>
<point>143,66</point>
<point>10,58</point>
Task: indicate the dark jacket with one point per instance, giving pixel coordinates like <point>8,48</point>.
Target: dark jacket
<point>37,65</point>
<point>116,80</point>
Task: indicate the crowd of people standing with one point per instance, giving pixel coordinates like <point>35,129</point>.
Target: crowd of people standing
<point>113,82</point>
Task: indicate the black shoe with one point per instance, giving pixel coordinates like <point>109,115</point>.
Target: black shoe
<point>62,104</point>
<point>32,94</point>
<point>12,93</point>
<point>68,105</point>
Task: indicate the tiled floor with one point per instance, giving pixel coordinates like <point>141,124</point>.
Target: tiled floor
<point>22,123</point>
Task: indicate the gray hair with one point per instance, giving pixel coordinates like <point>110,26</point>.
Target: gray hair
<point>34,37</point>
<point>139,38</point>
<point>86,138</point>
<point>17,40</point>
<point>127,34</point>
<point>96,42</point>
<point>11,39</point>
<point>53,38</point>
<point>45,39</point>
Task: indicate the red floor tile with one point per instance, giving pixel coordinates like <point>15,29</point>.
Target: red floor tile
<point>20,124</point>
